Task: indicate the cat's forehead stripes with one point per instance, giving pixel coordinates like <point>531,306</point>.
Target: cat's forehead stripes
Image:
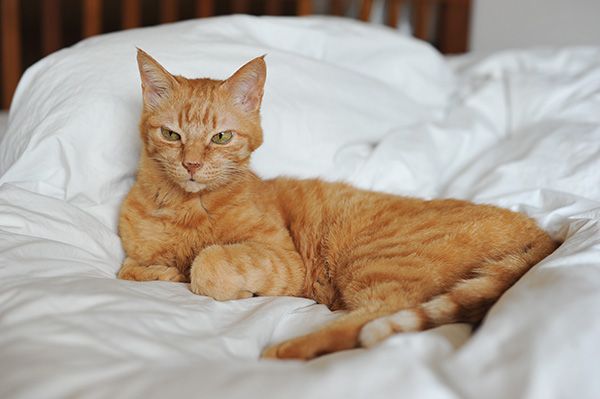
<point>204,111</point>
<point>197,116</point>
<point>196,112</point>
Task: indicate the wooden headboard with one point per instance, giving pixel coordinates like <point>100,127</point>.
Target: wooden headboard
<point>32,29</point>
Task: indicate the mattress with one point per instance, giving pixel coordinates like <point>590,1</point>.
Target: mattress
<point>343,101</point>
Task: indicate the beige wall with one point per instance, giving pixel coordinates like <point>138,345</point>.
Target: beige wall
<point>501,24</point>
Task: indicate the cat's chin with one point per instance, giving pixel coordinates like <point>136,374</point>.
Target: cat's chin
<point>193,186</point>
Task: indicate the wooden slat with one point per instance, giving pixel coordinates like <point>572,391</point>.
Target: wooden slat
<point>51,26</point>
<point>421,16</point>
<point>169,10</point>
<point>11,49</point>
<point>364,13</point>
<point>453,27</point>
<point>239,6</point>
<point>393,12</point>
<point>204,8</point>
<point>131,14</point>
<point>336,7</point>
<point>92,17</point>
<point>304,7</point>
<point>273,7</point>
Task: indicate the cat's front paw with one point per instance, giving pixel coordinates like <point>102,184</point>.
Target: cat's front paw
<point>165,273</point>
<point>211,275</point>
<point>131,270</point>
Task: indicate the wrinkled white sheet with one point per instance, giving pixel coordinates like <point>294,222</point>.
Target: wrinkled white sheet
<point>343,100</point>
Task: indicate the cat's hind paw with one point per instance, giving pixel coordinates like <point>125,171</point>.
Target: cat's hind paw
<point>300,348</point>
<point>332,338</point>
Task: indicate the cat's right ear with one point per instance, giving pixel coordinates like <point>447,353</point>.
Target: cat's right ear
<point>156,81</point>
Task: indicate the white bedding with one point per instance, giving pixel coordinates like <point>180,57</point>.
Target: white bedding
<point>3,122</point>
<point>343,100</point>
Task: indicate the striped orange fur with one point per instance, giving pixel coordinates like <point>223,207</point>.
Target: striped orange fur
<point>198,214</point>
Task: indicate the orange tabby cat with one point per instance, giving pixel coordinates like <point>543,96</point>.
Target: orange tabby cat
<point>198,214</point>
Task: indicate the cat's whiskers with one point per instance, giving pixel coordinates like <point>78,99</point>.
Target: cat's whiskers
<point>161,161</point>
<point>232,173</point>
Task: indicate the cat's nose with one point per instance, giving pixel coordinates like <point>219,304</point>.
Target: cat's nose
<point>192,167</point>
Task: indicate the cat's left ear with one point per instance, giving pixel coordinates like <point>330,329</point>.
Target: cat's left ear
<point>247,84</point>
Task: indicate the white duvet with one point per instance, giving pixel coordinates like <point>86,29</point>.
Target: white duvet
<point>344,101</point>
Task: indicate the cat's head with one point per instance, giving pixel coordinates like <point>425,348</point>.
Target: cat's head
<point>199,133</point>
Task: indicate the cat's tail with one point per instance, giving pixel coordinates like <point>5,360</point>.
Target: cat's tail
<point>467,301</point>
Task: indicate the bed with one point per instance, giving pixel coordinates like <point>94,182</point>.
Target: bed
<point>344,100</point>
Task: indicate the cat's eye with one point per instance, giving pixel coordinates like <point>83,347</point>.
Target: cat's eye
<point>223,137</point>
<point>169,134</point>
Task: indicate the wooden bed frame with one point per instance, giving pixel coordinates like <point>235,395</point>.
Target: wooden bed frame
<point>32,29</point>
